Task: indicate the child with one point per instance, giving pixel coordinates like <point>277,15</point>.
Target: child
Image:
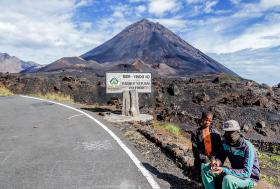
<point>206,142</point>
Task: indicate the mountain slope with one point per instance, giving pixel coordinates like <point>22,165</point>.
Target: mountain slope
<point>71,64</point>
<point>152,43</point>
<point>13,64</point>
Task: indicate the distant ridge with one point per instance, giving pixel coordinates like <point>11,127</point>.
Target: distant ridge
<point>12,64</point>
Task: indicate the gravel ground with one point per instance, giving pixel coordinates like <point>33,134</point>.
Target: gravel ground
<point>159,162</point>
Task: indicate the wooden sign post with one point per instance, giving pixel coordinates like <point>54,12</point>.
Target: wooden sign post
<point>129,84</point>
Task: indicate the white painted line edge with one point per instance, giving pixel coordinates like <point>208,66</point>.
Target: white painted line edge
<point>143,170</point>
<point>74,116</point>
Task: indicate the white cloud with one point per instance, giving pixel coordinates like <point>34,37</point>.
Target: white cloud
<point>266,4</point>
<point>82,3</point>
<point>118,13</point>
<point>137,1</point>
<point>197,7</point>
<point>194,1</point>
<point>209,6</point>
<point>235,2</point>
<point>175,24</point>
<point>258,36</point>
<point>85,26</point>
<point>225,39</point>
<point>43,31</point>
<point>121,10</point>
<point>140,9</point>
<point>261,65</point>
<point>257,9</point>
<point>160,7</point>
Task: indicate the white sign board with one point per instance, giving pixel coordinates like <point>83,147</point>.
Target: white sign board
<point>119,82</point>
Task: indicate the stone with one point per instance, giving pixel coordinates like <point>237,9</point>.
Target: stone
<point>216,80</point>
<point>68,79</point>
<point>178,153</point>
<point>219,112</point>
<point>262,102</point>
<point>192,80</point>
<point>261,128</point>
<point>249,83</point>
<point>201,97</point>
<point>246,127</point>
<point>188,161</point>
<point>114,101</point>
<point>173,90</point>
<point>260,125</point>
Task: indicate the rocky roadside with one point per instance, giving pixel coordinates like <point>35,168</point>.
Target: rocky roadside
<point>160,162</point>
<point>176,100</point>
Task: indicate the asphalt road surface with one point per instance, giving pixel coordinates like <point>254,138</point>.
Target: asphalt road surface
<point>47,146</point>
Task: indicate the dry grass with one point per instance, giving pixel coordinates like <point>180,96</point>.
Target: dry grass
<point>55,96</point>
<point>4,91</point>
<point>175,133</point>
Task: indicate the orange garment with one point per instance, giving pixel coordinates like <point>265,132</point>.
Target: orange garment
<point>207,141</point>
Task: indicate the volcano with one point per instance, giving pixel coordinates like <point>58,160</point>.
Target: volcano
<point>156,47</point>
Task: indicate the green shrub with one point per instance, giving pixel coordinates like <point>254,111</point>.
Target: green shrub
<point>172,129</point>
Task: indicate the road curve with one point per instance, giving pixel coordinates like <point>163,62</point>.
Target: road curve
<point>49,146</point>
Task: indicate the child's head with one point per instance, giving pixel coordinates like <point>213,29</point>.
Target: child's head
<point>206,119</point>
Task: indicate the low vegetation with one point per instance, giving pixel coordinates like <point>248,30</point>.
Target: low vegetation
<point>168,128</point>
<point>270,167</point>
<point>4,91</point>
<point>56,97</point>
<point>175,134</point>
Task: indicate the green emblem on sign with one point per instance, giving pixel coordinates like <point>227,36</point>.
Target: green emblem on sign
<point>114,82</point>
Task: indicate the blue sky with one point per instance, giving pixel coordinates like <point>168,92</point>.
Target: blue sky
<point>244,35</point>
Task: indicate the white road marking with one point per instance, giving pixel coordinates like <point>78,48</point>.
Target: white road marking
<point>75,116</point>
<point>143,170</point>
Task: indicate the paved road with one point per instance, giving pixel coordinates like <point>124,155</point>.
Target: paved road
<point>44,145</point>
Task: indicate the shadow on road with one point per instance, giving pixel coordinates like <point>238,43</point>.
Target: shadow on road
<point>174,181</point>
<point>103,110</point>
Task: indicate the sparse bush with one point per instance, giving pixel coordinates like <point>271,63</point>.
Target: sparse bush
<point>56,97</point>
<point>172,129</point>
<point>275,158</point>
<point>4,91</point>
<point>169,128</point>
<point>269,163</point>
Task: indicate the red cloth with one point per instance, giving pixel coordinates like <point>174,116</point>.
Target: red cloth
<point>207,141</point>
